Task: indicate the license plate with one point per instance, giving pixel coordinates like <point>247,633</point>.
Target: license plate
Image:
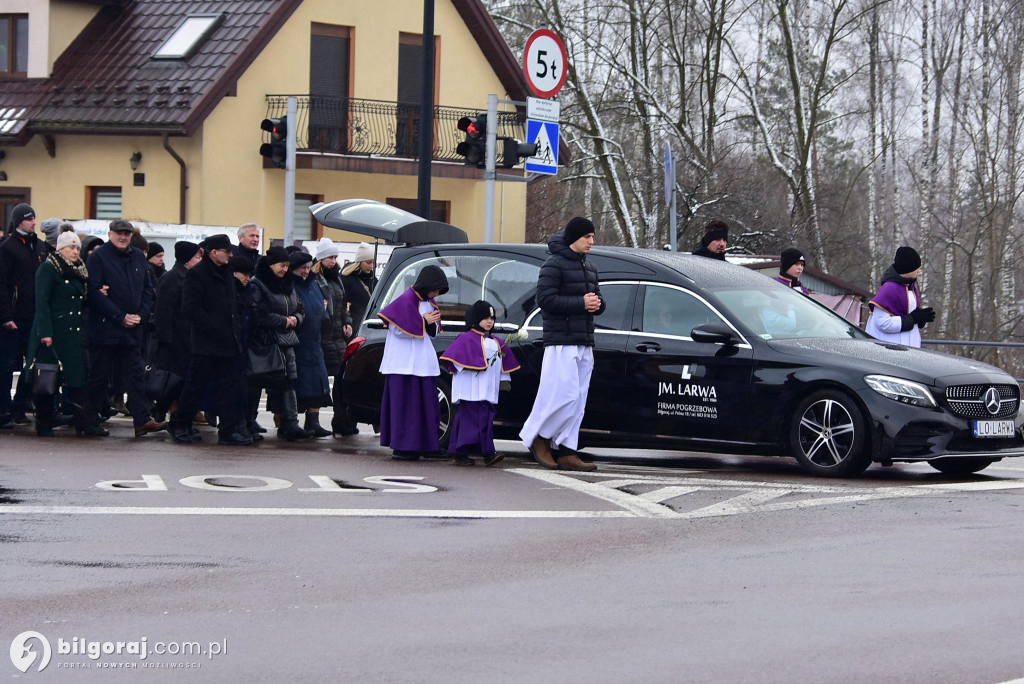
<point>993,428</point>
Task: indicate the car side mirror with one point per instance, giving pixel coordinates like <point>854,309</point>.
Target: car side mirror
<point>713,333</point>
<point>375,324</point>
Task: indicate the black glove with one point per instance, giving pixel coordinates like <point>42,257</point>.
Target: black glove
<point>923,315</point>
<point>907,322</point>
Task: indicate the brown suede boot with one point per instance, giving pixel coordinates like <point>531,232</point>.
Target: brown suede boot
<point>574,462</point>
<point>541,452</point>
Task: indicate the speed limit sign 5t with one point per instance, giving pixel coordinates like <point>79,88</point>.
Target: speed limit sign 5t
<point>544,62</point>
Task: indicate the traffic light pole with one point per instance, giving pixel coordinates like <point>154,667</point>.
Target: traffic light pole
<point>289,172</point>
<point>492,146</point>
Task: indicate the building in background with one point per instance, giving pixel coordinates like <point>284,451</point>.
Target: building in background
<point>150,110</point>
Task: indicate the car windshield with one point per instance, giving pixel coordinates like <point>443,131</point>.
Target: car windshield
<point>782,313</point>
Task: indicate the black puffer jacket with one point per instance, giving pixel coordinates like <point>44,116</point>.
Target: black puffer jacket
<point>563,281</point>
<point>20,256</point>
<point>271,301</point>
<point>332,335</point>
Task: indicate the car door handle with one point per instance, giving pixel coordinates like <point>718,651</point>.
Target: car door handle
<point>648,347</point>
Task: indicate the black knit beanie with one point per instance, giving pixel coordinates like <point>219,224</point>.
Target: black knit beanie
<point>907,260</point>
<point>578,227</point>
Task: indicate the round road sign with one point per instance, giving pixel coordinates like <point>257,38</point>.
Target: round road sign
<point>544,62</point>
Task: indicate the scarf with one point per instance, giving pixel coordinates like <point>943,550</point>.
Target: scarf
<point>67,269</point>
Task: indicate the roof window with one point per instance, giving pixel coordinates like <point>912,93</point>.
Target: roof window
<point>189,36</point>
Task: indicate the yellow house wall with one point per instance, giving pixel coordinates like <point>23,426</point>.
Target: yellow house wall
<point>227,184</point>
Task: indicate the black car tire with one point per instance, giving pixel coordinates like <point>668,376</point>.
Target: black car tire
<point>447,410</point>
<point>829,436</point>
<point>961,465</point>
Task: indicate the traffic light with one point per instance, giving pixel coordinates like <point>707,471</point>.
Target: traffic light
<point>513,151</point>
<point>277,149</point>
<point>474,147</point>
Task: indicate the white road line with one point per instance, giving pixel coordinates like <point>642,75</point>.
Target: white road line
<point>629,502</point>
<point>304,512</point>
<point>975,486</point>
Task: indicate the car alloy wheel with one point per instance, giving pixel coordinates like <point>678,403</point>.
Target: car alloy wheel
<point>828,435</point>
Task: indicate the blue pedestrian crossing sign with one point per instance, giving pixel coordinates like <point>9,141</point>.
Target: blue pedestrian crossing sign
<point>545,134</point>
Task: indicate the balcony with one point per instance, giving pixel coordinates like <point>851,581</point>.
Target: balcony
<point>378,129</point>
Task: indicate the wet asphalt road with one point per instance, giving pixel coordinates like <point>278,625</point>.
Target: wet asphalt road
<point>326,561</point>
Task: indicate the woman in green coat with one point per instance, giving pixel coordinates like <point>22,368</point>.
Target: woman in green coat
<point>58,336</point>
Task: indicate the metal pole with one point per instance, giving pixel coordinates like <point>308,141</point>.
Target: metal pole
<point>289,173</point>
<point>492,144</point>
<point>426,140</point>
<point>672,210</point>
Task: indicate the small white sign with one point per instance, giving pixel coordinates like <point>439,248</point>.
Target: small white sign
<point>543,110</point>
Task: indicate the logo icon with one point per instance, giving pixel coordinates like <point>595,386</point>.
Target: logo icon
<point>992,402</point>
<point>23,654</point>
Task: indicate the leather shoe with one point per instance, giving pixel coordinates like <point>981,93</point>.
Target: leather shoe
<point>491,459</point>
<point>148,427</point>
<point>574,462</point>
<point>20,418</point>
<point>234,439</point>
<point>398,455</point>
<point>6,423</point>
<point>541,452</point>
<point>91,431</point>
<point>181,435</point>
<point>62,419</point>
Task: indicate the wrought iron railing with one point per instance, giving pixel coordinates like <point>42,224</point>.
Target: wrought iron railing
<point>351,126</point>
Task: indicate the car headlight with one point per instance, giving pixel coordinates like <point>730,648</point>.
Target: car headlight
<point>903,391</point>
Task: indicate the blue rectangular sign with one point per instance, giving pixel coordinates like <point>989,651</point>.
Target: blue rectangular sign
<point>545,135</point>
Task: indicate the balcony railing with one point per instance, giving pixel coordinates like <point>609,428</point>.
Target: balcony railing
<point>350,126</point>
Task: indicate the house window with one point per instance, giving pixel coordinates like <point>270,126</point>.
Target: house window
<point>330,64</point>
<point>304,226</point>
<point>13,44</point>
<point>189,36</point>
<point>410,76</point>
<point>103,203</point>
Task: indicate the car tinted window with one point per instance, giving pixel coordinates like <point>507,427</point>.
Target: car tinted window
<point>673,312</point>
<point>783,313</point>
<point>616,307</point>
<point>507,284</point>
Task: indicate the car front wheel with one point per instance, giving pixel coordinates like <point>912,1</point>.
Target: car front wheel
<point>828,435</point>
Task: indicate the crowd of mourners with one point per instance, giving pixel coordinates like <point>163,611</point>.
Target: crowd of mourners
<point>100,327</point>
<point>90,323</point>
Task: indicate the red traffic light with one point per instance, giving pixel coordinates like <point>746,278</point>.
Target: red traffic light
<point>278,128</point>
<point>474,126</point>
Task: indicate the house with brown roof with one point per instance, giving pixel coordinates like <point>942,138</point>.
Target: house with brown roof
<point>150,110</point>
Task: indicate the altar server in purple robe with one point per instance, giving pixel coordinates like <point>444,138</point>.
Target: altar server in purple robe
<point>409,414</point>
<point>896,311</point>
<point>479,362</point>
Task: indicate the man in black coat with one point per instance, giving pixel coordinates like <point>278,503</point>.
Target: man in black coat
<point>120,297</point>
<point>171,329</point>
<point>208,301</point>
<point>248,243</point>
<point>569,298</point>
<point>20,255</point>
<point>715,240</point>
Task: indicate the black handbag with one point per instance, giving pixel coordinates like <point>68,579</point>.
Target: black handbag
<point>265,364</point>
<point>161,384</point>
<point>45,377</point>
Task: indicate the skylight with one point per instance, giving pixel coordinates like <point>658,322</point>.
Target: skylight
<point>187,38</point>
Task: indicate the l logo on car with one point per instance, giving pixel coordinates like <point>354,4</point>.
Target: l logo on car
<point>992,402</point>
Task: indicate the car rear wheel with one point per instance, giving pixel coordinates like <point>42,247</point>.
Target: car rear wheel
<point>828,435</point>
<point>961,465</point>
<point>447,411</point>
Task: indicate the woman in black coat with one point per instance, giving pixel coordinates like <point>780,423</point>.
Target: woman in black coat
<point>275,314</point>
<point>336,330</point>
